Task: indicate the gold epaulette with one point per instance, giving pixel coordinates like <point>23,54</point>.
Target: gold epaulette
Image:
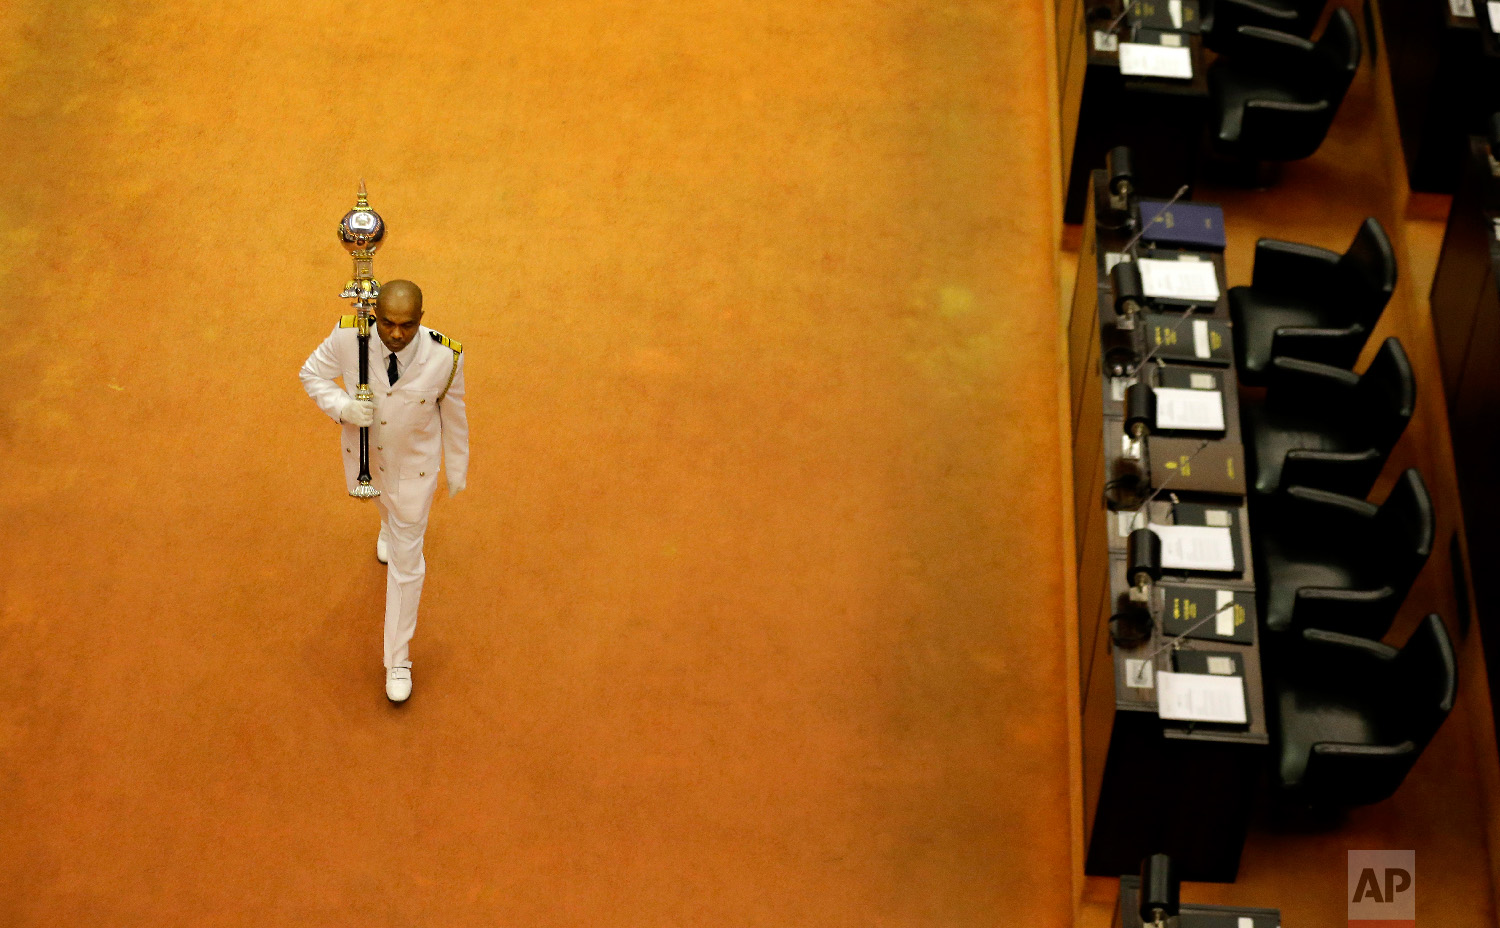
<point>446,342</point>
<point>347,322</point>
<point>457,348</point>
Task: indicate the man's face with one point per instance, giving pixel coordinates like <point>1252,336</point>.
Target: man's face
<point>396,319</point>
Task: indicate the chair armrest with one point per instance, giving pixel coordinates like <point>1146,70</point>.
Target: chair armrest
<point>1333,347</point>
<point>1290,267</point>
<point>1347,775</point>
<point>1300,384</point>
<point>1286,130</point>
<point>1262,50</point>
<point>1351,613</point>
<point>1309,524</point>
<point>1350,473</point>
<point>1222,29</point>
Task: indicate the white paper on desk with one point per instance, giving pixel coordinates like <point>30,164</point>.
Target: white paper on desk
<point>1194,410</point>
<point>1200,697</point>
<point>1180,280</point>
<point>1494,10</point>
<point>1195,547</point>
<point>1461,8</point>
<point>1140,59</point>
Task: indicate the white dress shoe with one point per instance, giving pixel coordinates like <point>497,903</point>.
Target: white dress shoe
<point>382,550</point>
<point>398,684</point>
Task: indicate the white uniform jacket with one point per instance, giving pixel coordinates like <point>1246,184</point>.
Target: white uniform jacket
<point>412,432</point>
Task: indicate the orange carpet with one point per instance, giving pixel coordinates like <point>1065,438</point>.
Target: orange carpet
<point>749,615</point>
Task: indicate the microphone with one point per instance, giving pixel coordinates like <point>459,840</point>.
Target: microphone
<point>1175,641</point>
<point>1175,329</point>
<point>1123,13</point>
<point>1197,451</point>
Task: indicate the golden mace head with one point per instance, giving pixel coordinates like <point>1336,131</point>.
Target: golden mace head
<point>362,230</point>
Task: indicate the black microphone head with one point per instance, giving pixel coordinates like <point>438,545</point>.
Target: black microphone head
<point>1143,554</point>
<point>1140,406</point>
<point>1125,281</point>
<point>1121,176</point>
<point>1159,887</point>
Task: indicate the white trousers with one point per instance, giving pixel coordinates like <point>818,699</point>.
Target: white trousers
<point>403,577</point>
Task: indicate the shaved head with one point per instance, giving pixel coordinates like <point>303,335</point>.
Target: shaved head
<point>398,313</point>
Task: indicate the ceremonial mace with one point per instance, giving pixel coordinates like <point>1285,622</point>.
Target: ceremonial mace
<point>362,230</point>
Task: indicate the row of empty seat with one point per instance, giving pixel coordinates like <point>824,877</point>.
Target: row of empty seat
<point>1350,714</point>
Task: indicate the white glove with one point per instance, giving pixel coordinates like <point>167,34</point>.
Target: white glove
<point>357,412</point>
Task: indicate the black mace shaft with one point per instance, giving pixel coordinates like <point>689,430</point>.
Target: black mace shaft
<point>364,387</point>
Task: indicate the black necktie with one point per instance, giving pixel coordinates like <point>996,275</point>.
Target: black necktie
<point>393,371</point>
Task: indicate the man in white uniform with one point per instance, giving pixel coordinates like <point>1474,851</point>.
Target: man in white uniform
<point>417,421</point>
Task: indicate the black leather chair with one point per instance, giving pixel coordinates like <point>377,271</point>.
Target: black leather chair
<point>1326,428</point>
<point>1274,95</point>
<point>1351,716</point>
<point>1224,18</point>
<point>1311,303</point>
<point>1336,562</point>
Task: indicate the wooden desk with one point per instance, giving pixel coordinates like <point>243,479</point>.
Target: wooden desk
<point>1466,322</point>
<point>1161,119</point>
<point>1441,78</point>
<point>1150,785</point>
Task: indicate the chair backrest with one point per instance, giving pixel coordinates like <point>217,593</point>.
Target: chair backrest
<point>1426,678</point>
<point>1404,527</point>
<point>1338,51</point>
<point>1387,395</point>
<point>1367,274</point>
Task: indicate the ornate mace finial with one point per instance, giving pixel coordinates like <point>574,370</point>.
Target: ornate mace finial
<point>361,231</point>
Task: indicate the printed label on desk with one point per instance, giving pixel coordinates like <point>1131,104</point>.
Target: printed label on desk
<point>1138,673</point>
<point>1138,59</point>
<point>1461,8</point>
<point>1181,280</point>
<point>1200,697</point>
<point>1195,547</point>
<point>1200,339</point>
<point>1224,618</point>
<point>1191,410</point>
<point>1105,41</point>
